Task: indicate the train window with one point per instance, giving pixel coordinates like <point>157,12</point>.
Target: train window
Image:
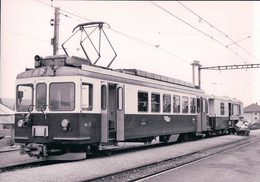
<point>166,103</point>
<point>192,105</point>
<point>87,96</point>
<point>222,108</point>
<point>24,98</point>
<point>142,101</point>
<point>62,96</point>
<point>103,97</point>
<point>155,102</point>
<point>185,104</point>
<point>206,106</point>
<point>198,105</point>
<point>120,99</point>
<point>41,93</point>
<point>176,103</point>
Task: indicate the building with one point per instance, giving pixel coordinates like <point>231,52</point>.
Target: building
<point>252,113</point>
<point>6,116</point>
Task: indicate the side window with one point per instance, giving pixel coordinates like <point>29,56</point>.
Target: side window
<point>87,96</point>
<point>103,97</point>
<point>155,102</point>
<point>142,101</point>
<point>166,103</point>
<point>222,108</point>
<point>176,103</point>
<point>185,104</point>
<point>192,105</point>
<point>41,93</point>
<point>120,99</point>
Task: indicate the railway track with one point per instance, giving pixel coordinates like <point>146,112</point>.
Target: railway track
<point>136,173</point>
<point>144,172</point>
<point>124,149</point>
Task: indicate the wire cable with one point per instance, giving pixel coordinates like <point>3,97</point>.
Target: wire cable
<point>211,25</point>
<point>219,42</point>
<point>119,32</point>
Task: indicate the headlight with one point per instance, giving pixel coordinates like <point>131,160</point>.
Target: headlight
<point>20,123</point>
<point>65,124</point>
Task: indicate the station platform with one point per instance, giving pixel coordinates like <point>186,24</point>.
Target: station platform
<point>97,167</point>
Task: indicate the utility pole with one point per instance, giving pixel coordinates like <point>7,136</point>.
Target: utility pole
<point>195,64</point>
<point>56,24</point>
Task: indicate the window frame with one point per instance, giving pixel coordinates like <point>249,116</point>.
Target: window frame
<point>74,85</point>
<point>147,104</point>
<point>170,103</point>
<point>90,97</point>
<point>193,105</point>
<point>158,94</point>
<point>45,96</point>
<point>120,97</point>
<point>104,95</point>
<point>179,105</point>
<point>186,111</point>
<point>32,99</point>
<point>222,108</point>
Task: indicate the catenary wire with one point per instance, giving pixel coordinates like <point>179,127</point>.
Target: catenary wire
<point>211,25</point>
<point>119,32</point>
<point>219,42</point>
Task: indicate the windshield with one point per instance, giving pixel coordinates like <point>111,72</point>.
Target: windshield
<point>41,90</point>
<point>62,96</point>
<point>24,97</point>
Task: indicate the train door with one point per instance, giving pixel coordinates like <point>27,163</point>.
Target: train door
<point>202,114</point>
<point>112,114</point>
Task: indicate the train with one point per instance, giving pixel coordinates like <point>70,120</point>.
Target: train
<point>69,107</point>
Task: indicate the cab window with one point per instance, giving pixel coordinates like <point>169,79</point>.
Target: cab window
<point>24,98</point>
<point>41,92</point>
<point>62,96</point>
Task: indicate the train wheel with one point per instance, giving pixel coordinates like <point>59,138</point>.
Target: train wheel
<point>108,152</point>
<point>164,138</point>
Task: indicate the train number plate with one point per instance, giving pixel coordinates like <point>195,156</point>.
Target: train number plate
<point>40,131</point>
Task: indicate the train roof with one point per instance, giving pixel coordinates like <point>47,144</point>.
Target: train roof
<point>224,98</point>
<point>154,76</point>
<point>70,66</point>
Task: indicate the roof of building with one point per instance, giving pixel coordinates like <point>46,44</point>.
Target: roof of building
<point>252,108</point>
<point>6,111</point>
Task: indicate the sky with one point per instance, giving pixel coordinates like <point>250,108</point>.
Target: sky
<point>162,37</point>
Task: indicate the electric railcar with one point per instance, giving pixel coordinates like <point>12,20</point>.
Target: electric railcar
<point>68,106</point>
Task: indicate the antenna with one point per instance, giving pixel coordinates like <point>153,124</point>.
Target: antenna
<point>96,26</point>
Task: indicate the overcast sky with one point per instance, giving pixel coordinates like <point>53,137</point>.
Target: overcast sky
<point>156,38</point>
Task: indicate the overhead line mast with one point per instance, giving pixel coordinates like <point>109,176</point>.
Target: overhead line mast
<point>224,67</point>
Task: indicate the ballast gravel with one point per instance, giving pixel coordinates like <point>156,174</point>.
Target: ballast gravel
<point>93,168</point>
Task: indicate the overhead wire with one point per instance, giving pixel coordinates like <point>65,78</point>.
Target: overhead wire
<point>25,36</point>
<point>185,22</point>
<point>211,25</point>
<point>119,32</point>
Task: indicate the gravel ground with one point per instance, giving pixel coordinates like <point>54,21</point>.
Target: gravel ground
<point>93,168</point>
<point>14,158</point>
